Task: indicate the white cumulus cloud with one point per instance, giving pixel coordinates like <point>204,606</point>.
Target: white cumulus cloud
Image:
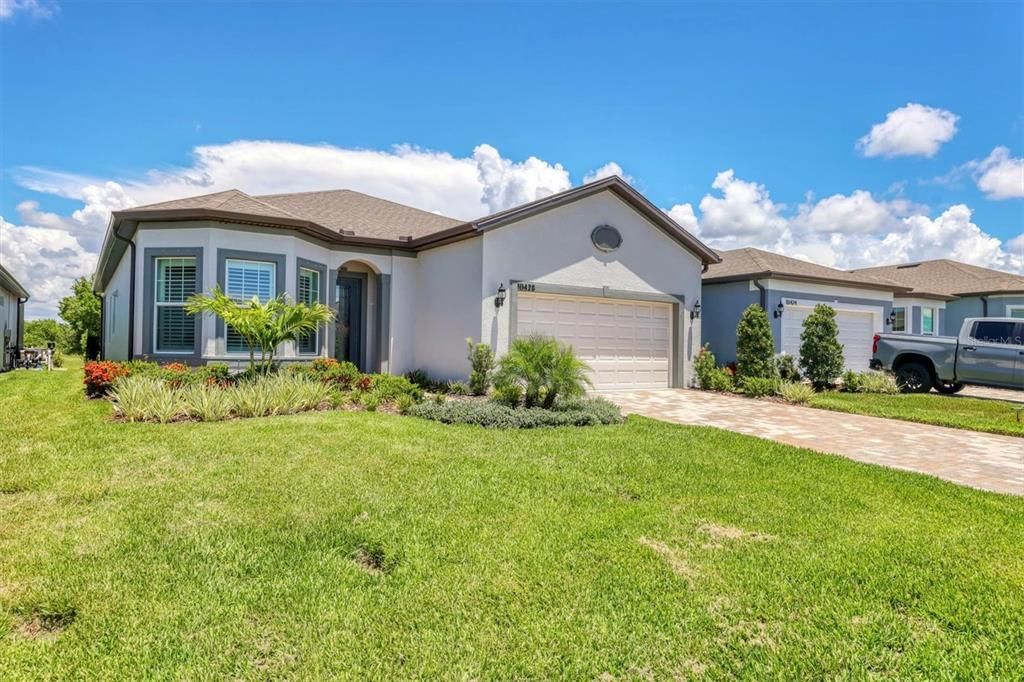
<point>911,130</point>
<point>33,8</point>
<point>744,212</point>
<point>606,171</point>
<point>460,187</point>
<point>999,175</point>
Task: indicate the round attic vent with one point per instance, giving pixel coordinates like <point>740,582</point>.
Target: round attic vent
<point>606,238</point>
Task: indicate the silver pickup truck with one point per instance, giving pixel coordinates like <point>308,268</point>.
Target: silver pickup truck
<point>988,352</point>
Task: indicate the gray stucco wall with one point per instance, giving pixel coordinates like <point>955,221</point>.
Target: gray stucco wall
<point>720,310</point>
<point>959,310</point>
<point>724,303</point>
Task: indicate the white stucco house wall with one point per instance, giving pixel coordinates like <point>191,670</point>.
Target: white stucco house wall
<point>12,317</point>
<point>597,266</point>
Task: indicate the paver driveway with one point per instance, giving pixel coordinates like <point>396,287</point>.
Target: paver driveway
<point>980,460</point>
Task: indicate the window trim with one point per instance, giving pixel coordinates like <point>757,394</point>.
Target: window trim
<point>1011,309</point>
<point>321,270</point>
<point>150,256</point>
<point>934,315</point>
<point>905,310</point>
<point>223,256</point>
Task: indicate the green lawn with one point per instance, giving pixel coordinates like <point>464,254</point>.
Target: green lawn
<point>366,545</point>
<point>992,416</point>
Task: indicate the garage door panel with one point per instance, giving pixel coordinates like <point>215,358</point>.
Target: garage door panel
<point>626,343</point>
<point>856,329</point>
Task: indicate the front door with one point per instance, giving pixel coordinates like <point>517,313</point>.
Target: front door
<point>348,325</point>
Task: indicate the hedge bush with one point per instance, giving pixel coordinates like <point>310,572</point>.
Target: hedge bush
<point>821,354</point>
<point>494,415</point>
<point>755,347</point>
<point>757,387</point>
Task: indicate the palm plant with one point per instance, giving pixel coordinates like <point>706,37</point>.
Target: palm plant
<point>544,369</point>
<point>263,325</point>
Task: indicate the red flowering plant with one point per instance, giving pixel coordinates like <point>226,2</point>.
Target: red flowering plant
<point>100,376</point>
<point>364,383</point>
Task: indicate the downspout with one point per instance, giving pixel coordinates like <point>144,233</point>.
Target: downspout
<point>984,306</point>
<point>131,295</point>
<point>19,340</point>
<point>763,301</point>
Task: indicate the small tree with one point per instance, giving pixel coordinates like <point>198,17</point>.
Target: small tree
<point>38,333</point>
<point>755,347</point>
<point>481,366</point>
<point>544,369</point>
<point>263,325</point>
<point>821,354</point>
<point>81,311</point>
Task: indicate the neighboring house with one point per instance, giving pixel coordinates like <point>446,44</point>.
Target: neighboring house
<point>967,291</point>
<point>12,317</point>
<point>788,289</point>
<point>598,266</point>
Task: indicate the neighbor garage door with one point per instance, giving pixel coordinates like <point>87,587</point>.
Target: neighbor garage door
<point>856,329</point>
<point>626,343</point>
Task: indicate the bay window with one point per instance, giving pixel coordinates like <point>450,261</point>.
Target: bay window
<point>308,292</point>
<point>243,280</point>
<point>174,328</point>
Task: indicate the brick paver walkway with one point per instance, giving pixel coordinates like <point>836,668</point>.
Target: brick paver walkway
<point>970,458</point>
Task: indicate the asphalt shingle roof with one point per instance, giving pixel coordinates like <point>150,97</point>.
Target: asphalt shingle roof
<point>948,277</point>
<point>746,263</point>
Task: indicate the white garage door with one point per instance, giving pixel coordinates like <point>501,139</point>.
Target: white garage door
<point>856,330</point>
<point>626,343</point>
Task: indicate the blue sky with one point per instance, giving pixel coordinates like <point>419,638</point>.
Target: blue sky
<point>675,94</point>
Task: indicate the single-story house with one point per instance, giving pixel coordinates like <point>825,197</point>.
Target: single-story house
<point>12,317</point>
<point>945,292</point>
<point>788,289</point>
<point>598,266</point>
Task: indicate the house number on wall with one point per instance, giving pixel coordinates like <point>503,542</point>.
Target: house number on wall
<point>526,286</point>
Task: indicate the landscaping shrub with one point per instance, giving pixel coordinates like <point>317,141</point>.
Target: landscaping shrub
<point>757,387</point>
<point>704,366</point>
<point>424,381</point>
<point>101,375</point>
<point>821,354</point>
<point>490,414</point>
<point>785,366</point>
<point>509,395</point>
<point>851,382</point>
<point>344,375</point>
<point>719,379</point>
<point>869,382</point>
<point>388,387</point>
<point>798,393</point>
<point>544,368</point>
<point>755,347</point>
<point>458,388</point>
<point>371,402</point>
<point>481,363</point>
<point>404,404</point>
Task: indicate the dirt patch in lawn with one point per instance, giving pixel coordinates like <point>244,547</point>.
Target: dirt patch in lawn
<point>44,625</point>
<point>718,532</point>
<point>374,559</point>
<point>676,562</point>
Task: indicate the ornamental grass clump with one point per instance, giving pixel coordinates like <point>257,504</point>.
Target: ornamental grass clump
<point>796,393</point>
<point>207,403</point>
<point>135,396</point>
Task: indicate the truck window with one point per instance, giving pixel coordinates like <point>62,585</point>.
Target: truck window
<point>996,332</point>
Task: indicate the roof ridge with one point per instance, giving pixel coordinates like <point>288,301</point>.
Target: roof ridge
<point>272,206</point>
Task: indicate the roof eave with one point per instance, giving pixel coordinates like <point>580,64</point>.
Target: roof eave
<point>877,286</point>
<point>8,282</point>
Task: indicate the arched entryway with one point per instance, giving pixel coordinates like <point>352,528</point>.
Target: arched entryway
<point>361,314</point>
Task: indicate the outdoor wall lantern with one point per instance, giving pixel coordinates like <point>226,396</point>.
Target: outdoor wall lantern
<point>499,298</point>
<point>695,313</point>
<point>891,320</point>
<point>779,309</point>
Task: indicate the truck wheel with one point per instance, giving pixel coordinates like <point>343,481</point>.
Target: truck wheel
<point>949,388</point>
<point>913,377</point>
